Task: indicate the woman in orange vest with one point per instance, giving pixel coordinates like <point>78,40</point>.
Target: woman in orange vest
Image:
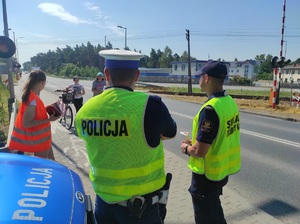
<point>32,129</point>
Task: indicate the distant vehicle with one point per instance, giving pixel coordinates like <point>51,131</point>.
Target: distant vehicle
<point>36,190</point>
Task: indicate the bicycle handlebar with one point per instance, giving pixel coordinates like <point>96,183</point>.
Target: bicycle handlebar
<point>64,90</point>
<point>60,90</point>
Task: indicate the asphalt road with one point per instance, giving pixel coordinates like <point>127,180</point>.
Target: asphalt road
<point>269,178</point>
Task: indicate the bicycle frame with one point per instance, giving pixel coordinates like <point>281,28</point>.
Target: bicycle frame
<point>67,112</point>
<point>62,106</point>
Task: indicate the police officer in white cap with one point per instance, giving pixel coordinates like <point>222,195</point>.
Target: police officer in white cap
<point>123,131</point>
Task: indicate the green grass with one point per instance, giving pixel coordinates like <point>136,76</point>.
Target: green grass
<point>4,116</point>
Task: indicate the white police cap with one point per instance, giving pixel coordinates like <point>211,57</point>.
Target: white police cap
<point>121,59</point>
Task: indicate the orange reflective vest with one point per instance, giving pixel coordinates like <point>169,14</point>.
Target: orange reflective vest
<point>34,139</point>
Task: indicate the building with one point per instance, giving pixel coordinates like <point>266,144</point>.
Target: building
<point>291,72</point>
<point>179,71</point>
<point>246,69</point>
<point>155,71</point>
<point>180,68</point>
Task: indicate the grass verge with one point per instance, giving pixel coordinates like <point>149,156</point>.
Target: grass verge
<point>4,116</point>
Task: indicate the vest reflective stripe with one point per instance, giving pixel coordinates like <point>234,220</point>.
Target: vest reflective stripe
<point>223,156</point>
<point>125,192</point>
<point>31,142</point>
<point>122,165</point>
<point>128,173</point>
<point>32,133</point>
<point>35,139</point>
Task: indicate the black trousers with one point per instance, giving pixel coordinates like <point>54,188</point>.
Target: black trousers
<point>78,103</point>
<point>117,214</point>
<point>207,208</point>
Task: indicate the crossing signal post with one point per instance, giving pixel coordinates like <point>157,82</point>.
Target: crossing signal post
<point>281,46</point>
<point>189,63</point>
<point>7,50</point>
<point>277,63</point>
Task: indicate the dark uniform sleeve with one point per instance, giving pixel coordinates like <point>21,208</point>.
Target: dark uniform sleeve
<point>208,125</point>
<point>158,121</point>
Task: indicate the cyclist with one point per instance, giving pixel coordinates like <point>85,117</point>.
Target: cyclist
<point>79,91</point>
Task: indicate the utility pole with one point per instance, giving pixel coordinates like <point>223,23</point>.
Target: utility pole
<point>11,100</point>
<point>189,63</point>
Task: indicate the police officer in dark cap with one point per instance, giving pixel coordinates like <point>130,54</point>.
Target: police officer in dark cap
<point>123,131</point>
<point>214,150</point>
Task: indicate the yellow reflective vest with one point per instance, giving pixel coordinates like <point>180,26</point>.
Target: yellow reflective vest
<point>122,163</point>
<point>223,157</point>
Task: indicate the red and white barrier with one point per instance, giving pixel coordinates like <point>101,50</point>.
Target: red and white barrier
<point>296,98</point>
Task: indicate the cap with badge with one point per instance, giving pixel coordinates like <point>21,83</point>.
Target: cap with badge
<point>121,59</point>
<point>216,69</point>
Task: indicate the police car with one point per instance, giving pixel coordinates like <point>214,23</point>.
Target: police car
<point>36,190</point>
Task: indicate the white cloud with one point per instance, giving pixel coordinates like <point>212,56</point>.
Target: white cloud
<point>38,35</point>
<point>104,22</point>
<point>59,11</point>
<point>96,9</point>
<point>91,6</point>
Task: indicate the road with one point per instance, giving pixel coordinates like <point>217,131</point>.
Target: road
<point>269,178</point>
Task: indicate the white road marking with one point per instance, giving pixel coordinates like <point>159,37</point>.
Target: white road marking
<point>267,137</point>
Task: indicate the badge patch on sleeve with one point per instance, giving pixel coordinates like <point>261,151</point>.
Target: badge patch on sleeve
<point>206,126</point>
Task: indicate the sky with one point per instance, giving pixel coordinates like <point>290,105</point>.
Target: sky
<point>225,29</point>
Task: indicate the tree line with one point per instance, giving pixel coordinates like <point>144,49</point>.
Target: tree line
<point>85,61</point>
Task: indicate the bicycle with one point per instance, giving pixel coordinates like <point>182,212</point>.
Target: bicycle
<point>64,102</point>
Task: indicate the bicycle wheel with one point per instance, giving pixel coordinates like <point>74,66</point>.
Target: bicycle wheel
<point>68,118</point>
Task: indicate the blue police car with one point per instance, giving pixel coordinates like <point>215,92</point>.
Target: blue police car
<point>36,190</point>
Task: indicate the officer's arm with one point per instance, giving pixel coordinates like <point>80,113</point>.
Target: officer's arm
<point>169,127</point>
<point>198,149</point>
<point>208,127</point>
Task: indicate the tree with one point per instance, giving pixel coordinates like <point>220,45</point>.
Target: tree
<point>176,57</point>
<point>297,61</point>
<point>260,57</point>
<point>265,69</point>
<point>153,60</point>
<point>166,58</point>
<point>184,56</point>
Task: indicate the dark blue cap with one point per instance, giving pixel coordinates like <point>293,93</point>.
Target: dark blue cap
<point>216,69</point>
